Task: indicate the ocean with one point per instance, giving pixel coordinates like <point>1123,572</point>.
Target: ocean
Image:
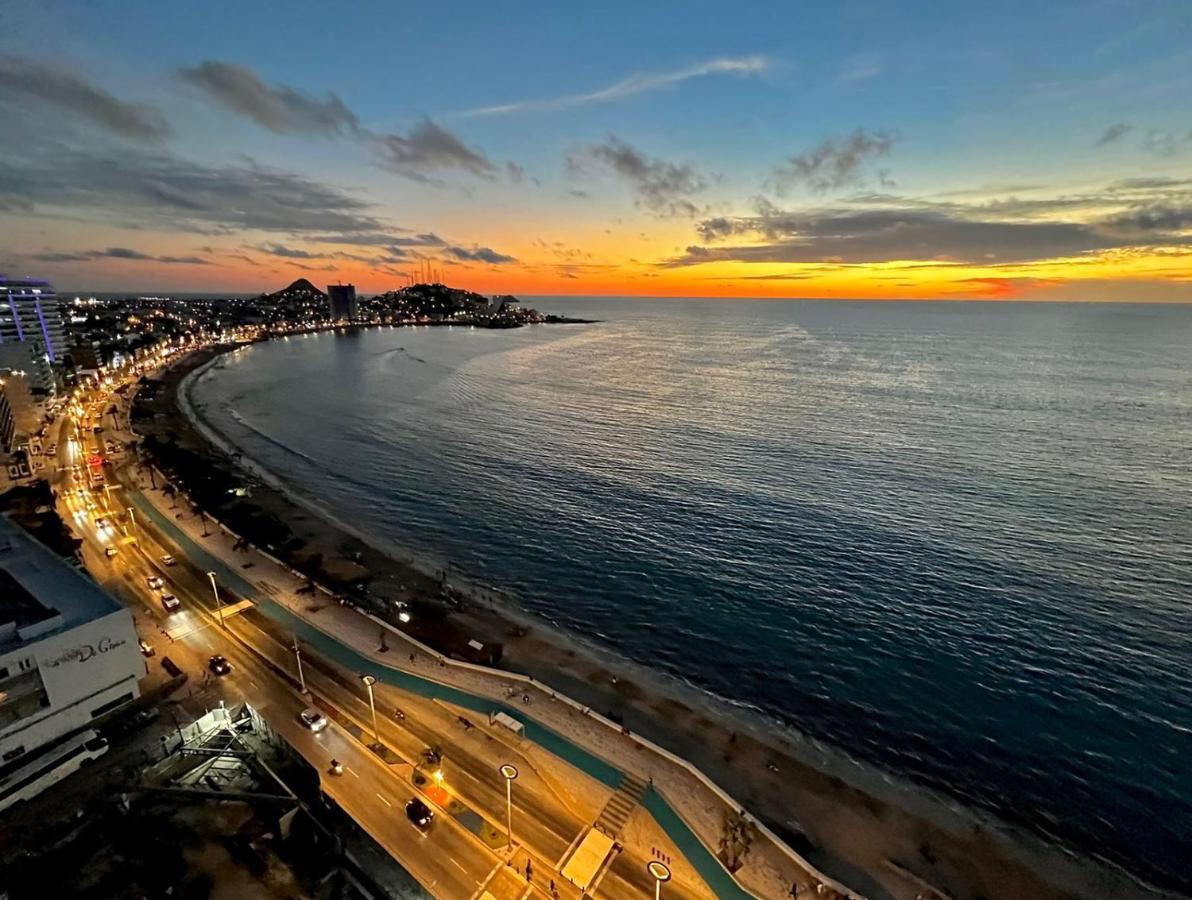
<point>953,540</point>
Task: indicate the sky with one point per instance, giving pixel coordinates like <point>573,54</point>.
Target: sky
<point>855,149</point>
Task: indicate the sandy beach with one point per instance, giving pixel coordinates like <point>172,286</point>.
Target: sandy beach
<point>882,837</point>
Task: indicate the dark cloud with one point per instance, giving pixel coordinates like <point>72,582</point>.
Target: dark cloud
<point>118,253</point>
<point>850,236</point>
<point>22,80</point>
<point>161,190</point>
<point>664,188</point>
<point>279,108</point>
<point>834,163</point>
<point>287,252</point>
<point>427,150</point>
<point>1154,217</point>
<point>479,254</point>
<point>430,148</point>
<point>1113,133</point>
<point>381,239</point>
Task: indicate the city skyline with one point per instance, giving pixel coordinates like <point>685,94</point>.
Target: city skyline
<point>865,151</point>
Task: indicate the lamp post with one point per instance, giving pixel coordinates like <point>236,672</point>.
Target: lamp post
<point>298,657</point>
<point>369,681</point>
<point>132,520</point>
<point>218,602</point>
<point>661,872</point>
<point>509,773</point>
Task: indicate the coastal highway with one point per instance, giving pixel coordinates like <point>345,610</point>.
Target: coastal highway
<point>453,860</point>
<point>447,861</point>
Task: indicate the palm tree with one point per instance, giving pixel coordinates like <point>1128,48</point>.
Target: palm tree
<point>432,756</point>
<point>736,838</point>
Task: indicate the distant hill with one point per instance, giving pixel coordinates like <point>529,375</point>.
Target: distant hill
<point>300,290</point>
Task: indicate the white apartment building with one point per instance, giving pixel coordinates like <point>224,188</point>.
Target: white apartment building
<point>68,650</point>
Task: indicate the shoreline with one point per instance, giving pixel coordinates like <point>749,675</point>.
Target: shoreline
<point>843,815</point>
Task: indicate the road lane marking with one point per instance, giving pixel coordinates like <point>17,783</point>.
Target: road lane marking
<point>457,865</point>
<point>383,800</point>
<point>350,769</point>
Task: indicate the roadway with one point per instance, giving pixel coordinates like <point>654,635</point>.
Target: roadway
<point>453,860</point>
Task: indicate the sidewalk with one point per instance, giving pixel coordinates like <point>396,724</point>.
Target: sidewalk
<point>688,809</point>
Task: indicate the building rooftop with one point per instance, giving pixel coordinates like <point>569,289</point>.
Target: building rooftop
<point>41,594</point>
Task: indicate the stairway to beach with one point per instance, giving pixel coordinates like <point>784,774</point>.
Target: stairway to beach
<point>621,805</point>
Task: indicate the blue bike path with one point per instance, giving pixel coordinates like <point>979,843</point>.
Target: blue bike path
<point>707,865</point>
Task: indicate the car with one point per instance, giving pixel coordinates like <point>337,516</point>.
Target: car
<point>146,648</point>
<point>155,582</point>
<point>101,522</point>
<point>419,814</point>
<point>168,560</point>
<point>313,719</point>
<point>218,665</point>
<point>169,602</point>
<point>109,552</point>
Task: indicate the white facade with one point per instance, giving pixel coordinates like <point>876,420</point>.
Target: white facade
<point>68,651</point>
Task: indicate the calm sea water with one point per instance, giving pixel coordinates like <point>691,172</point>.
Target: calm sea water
<point>954,540</point>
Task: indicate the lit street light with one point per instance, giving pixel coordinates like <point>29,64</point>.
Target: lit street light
<point>509,773</point>
<point>369,681</point>
<point>661,873</point>
<point>132,520</point>
<point>218,602</point>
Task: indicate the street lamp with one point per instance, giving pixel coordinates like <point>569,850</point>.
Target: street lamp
<point>218,602</point>
<point>369,681</point>
<point>298,657</point>
<point>509,773</point>
<point>132,520</point>
<point>661,872</point>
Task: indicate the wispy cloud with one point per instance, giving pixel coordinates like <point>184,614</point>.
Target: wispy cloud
<point>279,108</point>
<point>662,187</point>
<point>118,253</point>
<point>1113,134</point>
<point>55,86</point>
<point>834,162</point>
<point>430,147</point>
<point>639,83</point>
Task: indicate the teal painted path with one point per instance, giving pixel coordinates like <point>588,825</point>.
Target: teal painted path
<point>707,865</point>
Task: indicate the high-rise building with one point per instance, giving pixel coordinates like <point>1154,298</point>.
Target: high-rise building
<point>29,314</point>
<point>68,650</point>
<point>342,298</point>
<point>8,426</point>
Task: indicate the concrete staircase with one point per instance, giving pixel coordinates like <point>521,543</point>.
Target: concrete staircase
<point>621,805</point>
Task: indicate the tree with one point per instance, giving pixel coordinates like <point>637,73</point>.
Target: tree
<point>170,491</point>
<point>432,756</point>
<point>736,838</point>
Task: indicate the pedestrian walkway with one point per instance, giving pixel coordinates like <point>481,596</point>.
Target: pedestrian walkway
<point>341,633</point>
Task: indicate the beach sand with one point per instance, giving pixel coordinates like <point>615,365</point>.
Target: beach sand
<point>882,837</point>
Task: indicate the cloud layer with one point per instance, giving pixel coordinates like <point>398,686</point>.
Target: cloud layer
<point>1146,213</point>
<point>57,87</point>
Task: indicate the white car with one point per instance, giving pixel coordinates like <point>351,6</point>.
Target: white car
<point>155,582</point>
<point>168,560</point>
<point>109,552</point>
<point>170,603</point>
<point>313,719</point>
